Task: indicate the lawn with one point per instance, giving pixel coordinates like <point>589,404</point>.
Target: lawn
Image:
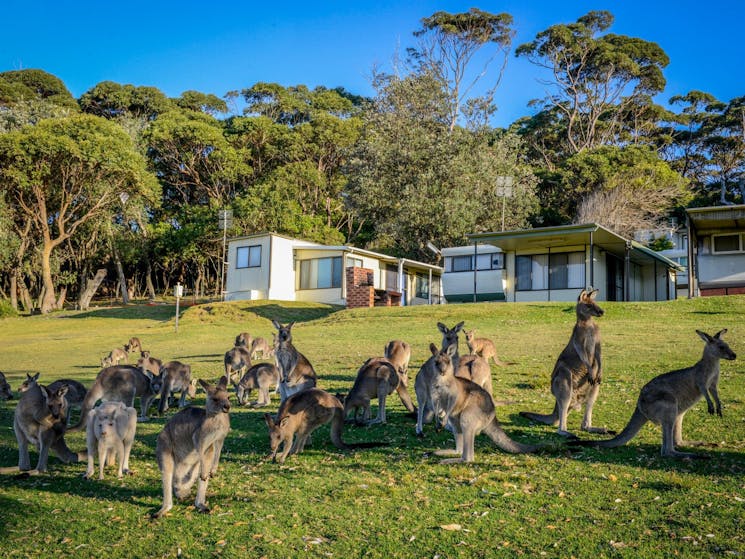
<point>397,500</point>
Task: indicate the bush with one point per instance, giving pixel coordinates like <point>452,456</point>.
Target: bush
<point>6,309</point>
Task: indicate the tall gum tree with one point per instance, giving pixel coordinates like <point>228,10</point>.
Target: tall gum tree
<point>63,173</point>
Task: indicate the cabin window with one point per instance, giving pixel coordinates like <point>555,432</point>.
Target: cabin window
<point>320,273</point>
<point>726,243</point>
<point>422,287</point>
<point>562,270</point>
<point>490,261</point>
<point>354,262</point>
<point>248,257</point>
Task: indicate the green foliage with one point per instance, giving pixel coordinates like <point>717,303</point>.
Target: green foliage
<point>6,309</point>
<point>623,502</point>
<point>110,100</point>
<point>28,85</point>
<point>202,102</point>
<point>660,243</point>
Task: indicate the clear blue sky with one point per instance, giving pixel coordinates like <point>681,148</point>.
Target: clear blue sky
<point>218,46</point>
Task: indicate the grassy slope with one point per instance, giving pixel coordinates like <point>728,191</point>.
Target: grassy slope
<point>394,501</point>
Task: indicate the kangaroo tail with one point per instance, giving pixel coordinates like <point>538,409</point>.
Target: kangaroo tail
<point>636,422</point>
<point>500,438</point>
<point>550,419</point>
<point>90,399</point>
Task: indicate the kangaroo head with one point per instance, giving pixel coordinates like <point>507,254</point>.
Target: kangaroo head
<point>104,422</point>
<point>241,340</point>
<point>449,335</point>
<point>55,401</point>
<point>284,333</point>
<point>443,359</point>
<point>586,305</point>
<point>191,390</point>
<point>5,391</point>
<point>218,400</point>
<point>29,382</point>
<point>156,381</point>
<point>470,335</point>
<point>716,346</point>
<point>275,430</point>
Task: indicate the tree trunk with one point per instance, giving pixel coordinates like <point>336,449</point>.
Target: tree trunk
<point>14,289</point>
<point>91,287</point>
<point>149,281</point>
<point>120,274</point>
<point>62,297</point>
<point>48,299</point>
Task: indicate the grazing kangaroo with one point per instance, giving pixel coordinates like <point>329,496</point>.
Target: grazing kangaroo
<point>148,363</point>
<point>115,356</point>
<point>301,414</point>
<point>122,383</point>
<point>40,420</point>
<point>399,354</point>
<point>578,371</point>
<point>111,432</point>
<point>376,378</point>
<point>243,339</point>
<point>261,347</point>
<point>296,372</point>
<point>468,408</point>
<point>190,445</point>
<point>133,345</point>
<point>263,377</point>
<point>6,393</point>
<point>665,399</point>
<point>483,347</point>
<point>176,378</point>
<point>237,361</point>
<point>75,390</point>
<point>470,367</point>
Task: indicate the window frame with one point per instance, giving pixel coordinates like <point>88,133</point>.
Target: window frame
<point>249,250</point>
<point>740,243</point>
<point>546,269</point>
<point>337,272</point>
<point>463,258</point>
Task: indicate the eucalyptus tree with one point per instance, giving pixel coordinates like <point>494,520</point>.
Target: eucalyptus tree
<point>63,173</point>
<point>111,100</point>
<point>595,77</point>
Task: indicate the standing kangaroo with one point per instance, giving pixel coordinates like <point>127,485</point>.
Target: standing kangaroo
<point>483,347</point>
<point>243,339</point>
<point>111,432</point>
<point>40,419</point>
<point>115,356</point>
<point>261,346</point>
<point>190,446</point>
<point>176,377</point>
<point>301,414</point>
<point>399,354</point>
<point>665,399</point>
<point>295,371</point>
<point>471,367</point>
<point>578,371</point>
<point>467,408</point>
<point>376,378</point>
<point>75,390</point>
<point>237,361</point>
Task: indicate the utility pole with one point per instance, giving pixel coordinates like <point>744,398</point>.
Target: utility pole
<point>225,220</point>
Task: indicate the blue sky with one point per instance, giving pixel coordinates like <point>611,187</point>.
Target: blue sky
<point>221,46</point>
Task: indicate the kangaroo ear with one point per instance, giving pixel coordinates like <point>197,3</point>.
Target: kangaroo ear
<point>194,382</point>
<point>204,384</point>
<point>44,392</point>
<point>33,378</point>
<point>62,390</point>
<point>704,336</point>
<point>433,349</point>
<point>582,295</point>
<point>719,334</point>
<point>269,420</point>
<point>290,325</point>
<point>223,382</point>
<point>451,349</point>
<point>458,327</point>
<point>442,328</point>
<point>276,324</point>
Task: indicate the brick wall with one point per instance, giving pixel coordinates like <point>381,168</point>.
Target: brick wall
<point>360,290</point>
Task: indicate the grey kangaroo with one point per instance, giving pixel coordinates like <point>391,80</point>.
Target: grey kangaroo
<point>40,419</point>
<point>578,371</point>
<point>296,372</point>
<point>122,383</point>
<point>468,408</point>
<point>6,393</point>
<point>471,367</point>
<point>189,447</point>
<point>376,378</point>
<point>398,353</point>
<point>665,399</point>
<point>75,390</point>
<point>237,361</point>
<point>176,377</point>
<point>263,377</point>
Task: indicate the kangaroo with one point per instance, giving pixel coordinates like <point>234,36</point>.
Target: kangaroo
<point>111,431</point>
<point>471,367</point>
<point>190,446</point>
<point>301,414</point>
<point>376,378</point>
<point>399,354</point>
<point>133,345</point>
<point>75,390</point>
<point>40,420</point>
<point>296,372</point>
<point>468,408</point>
<point>665,399</point>
<point>243,339</point>
<point>578,371</point>
<point>262,376</point>
<point>115,356</point>
<point>483,347</point>
<point>237,361</point>
<point>6,393</point>
<point>148,363</point>
<point>176,378</point>
<point>122,383</point>
<point>261,347</point>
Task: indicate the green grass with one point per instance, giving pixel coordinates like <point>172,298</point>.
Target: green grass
<point>395,501</point>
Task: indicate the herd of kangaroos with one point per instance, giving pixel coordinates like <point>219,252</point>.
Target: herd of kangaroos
<point>452,390</point>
